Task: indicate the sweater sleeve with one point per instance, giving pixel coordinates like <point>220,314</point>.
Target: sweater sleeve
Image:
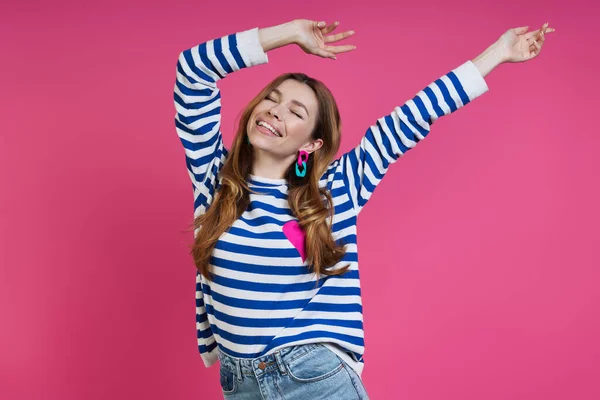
<point>363,167</point>
<point>198,103</point>
<point>198,124</point>
<point>207,344</point>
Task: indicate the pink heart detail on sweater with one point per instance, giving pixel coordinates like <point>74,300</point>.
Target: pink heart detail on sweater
<point>296,236</point>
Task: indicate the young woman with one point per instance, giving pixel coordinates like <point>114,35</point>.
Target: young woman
<point>277,289</point>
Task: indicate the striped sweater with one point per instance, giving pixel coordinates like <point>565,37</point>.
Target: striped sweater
<point>263,296</point>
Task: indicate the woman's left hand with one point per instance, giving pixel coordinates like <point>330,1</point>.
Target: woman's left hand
<point>518,45</point>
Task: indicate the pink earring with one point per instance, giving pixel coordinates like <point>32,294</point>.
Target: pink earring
<point>302,159</point>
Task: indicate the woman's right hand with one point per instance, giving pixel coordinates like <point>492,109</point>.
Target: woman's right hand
<point>312,39</point>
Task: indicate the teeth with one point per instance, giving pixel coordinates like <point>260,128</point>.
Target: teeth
<point>269,127</point>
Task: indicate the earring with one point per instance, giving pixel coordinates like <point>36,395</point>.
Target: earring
<point>302,158</point>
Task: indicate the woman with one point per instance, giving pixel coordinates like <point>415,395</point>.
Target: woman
<point>277,289</point>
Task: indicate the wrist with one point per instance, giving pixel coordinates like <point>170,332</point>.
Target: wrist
<point>489,59</point>
<point>278,35</point>
<point>293,30</point>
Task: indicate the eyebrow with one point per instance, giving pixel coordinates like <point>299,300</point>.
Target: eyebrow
<point>293,101</point>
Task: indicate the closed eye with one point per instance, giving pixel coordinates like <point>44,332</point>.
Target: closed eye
<point>273,100</point>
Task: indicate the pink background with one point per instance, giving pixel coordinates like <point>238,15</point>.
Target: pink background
<point>478,252</point>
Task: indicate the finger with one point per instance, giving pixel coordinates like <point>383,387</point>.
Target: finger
<point>536,48</point>
<point>534,39</point>
<point>340,49</point>
<point>532,49</point>
<point>546,29</point>
<point>533,52</point>
<point>330,28</point>
<point>549,30</point>
<point>537,42</point>
<point>321,24</point>
<point>537,36</point>
<point>531,34</point>
<point>325,53</point>
<point>338,37</point>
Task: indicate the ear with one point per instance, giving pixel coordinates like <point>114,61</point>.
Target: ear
<point>314,146</point>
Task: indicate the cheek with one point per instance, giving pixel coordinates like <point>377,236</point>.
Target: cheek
<point>298,130</point>
<point>258,109</point>
<point>252,120</point>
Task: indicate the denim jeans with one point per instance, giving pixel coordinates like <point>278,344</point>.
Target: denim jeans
<point>307,371</point>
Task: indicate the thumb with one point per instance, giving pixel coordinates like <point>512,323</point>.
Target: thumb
<point>521,30</point>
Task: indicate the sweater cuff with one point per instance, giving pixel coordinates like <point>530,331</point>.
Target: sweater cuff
<point>211,357</point>
<point>471,80</point>
<point>250,48</point>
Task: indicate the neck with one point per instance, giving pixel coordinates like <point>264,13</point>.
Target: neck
<point>269,166</point>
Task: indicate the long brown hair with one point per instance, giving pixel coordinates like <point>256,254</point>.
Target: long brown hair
<point>309,203</point>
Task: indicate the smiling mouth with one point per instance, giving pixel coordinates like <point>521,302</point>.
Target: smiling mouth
<point>267,129</point>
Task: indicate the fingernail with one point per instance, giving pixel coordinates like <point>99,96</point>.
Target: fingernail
<point>352,32</point>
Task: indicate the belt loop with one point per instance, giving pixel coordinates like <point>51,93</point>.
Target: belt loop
<point>238,366</point>
<point>280,363</point>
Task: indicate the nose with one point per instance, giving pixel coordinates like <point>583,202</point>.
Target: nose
<point>273,111</point>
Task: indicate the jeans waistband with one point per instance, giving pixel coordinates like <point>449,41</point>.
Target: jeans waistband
<point>266,363</point>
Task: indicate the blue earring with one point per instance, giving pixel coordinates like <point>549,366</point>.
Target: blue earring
<point>303,173</point>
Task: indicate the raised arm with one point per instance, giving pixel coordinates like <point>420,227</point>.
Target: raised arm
<point>198,102</point>
<point>393,135</point>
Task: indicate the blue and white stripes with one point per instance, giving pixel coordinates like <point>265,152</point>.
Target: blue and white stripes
<point>263,297</point>
<point>394,134</point>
